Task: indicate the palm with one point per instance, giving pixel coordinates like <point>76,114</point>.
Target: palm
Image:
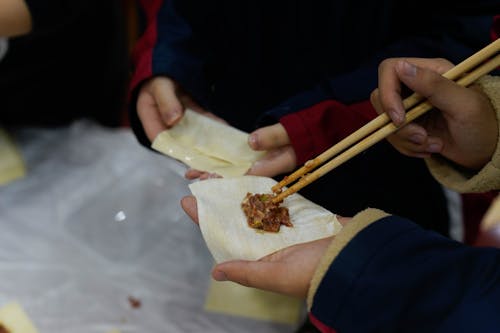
<point>288,271</point>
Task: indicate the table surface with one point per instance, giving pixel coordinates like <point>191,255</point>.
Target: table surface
<point>95,221</point>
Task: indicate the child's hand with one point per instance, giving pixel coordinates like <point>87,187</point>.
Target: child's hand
<point>280,157</point>
<point>161,104</point>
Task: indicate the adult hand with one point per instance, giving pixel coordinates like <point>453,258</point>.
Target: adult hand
<point>288,271</point>
<point>464,129</point>
<point>161,104</point>
<point>280,157</point>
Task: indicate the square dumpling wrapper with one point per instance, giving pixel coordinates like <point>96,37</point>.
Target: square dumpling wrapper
<point>205,144</point>
<point>224,225</point>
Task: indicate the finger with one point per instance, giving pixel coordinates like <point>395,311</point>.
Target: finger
<point>434,145</point>
<point>190,206</point>
<point>269,137</point>
<point>275,162</point>
<point>389,92</point>
<point>193,174</point>
<point>441,92</point>
<point>438,65</point>
<point>410,140</point>
<point>171,109</point>
<point>375,100</point>
<point>413,133</point>
<point>149,115</point>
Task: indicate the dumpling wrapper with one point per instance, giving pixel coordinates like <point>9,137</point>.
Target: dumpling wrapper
<point>207,145</point>
<point>225,229</point>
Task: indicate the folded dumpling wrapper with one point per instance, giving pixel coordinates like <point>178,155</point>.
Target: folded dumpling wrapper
<point>225,229</point>
<point>207,145</point>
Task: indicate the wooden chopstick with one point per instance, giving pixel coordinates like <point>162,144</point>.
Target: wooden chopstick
<point>383,118</point>
<point>383,124</point>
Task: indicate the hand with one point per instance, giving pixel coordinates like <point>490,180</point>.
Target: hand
<point>464,131</point>
<point>280,157</point>
<point>161,104</point>
<point>288,271</point>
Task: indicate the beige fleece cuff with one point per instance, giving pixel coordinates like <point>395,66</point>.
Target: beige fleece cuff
<point>348,232</point>
<point>492,217</point>
<point>487,178</point>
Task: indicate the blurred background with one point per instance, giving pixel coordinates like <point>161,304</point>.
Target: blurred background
<point>92,235</point>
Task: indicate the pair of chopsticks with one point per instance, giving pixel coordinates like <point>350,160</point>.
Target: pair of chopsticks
<point>381,127</point>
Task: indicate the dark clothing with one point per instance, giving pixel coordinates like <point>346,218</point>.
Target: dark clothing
<point>73,64</point>
<point>395,277</point>
<point>243,60</point>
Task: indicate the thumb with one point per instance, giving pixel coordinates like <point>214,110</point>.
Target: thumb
<point>269,137</point>
<point>255,274</point>
<point>275,162</point>
<point>169,105</point>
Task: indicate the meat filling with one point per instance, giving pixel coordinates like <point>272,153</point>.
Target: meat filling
<point>262,213</point>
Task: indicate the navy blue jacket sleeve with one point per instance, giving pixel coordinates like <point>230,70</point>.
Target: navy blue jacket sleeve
<point>168,47</point>
<point>396,277</point>
<point>449,36</point>
<point>177,53</point>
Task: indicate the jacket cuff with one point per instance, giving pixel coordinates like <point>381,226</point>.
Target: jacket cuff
<point>488,178</point>
<point>315,129</point>
<point>359,222</point>
<point>300,136</point>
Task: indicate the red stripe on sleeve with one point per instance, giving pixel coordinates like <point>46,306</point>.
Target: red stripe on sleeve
<point>142,55</point>
<point>320,326</point>
<point>495,29</point>
<point>314,130</point>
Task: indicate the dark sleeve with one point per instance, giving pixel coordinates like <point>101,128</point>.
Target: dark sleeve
<point>453,36</point>
<point>395,277</point>
<point>51,15</point>
<point>167,47</point>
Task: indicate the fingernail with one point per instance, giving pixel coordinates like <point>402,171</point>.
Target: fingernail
<point>397,117</point>
<point>172,116</point>
<point>417,138</point>
<point>252,141</point>
<point>407,69</point>
<point>220,276</point>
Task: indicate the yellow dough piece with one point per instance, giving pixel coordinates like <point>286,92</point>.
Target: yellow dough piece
<point>11,164</point>
<point>15,320</point>
<point>233,299</point>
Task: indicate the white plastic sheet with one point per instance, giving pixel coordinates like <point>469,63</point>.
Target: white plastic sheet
<point>97,220</point>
